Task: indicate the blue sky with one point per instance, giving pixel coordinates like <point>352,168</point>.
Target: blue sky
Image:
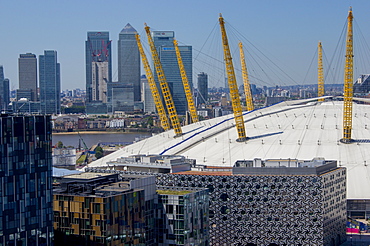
<point>287,31</point>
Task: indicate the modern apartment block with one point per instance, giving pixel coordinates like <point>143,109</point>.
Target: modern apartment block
<point>129,60</point>
<point>101,207</point>
<point>98,209</point>
<point>49,72</point>
<point>163,40</point>
<point>26,180</point>
<point>272,202</point>
<point>183,219</point>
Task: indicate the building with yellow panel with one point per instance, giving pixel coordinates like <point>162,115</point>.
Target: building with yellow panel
<point>100,209</point>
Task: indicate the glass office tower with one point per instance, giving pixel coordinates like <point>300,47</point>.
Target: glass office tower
<point>129,60</point>
<point>27,74</point>
<point>49,70</point>
<point>98,49</point>
<point>163,41</point>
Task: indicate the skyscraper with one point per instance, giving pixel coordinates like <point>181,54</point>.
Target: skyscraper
<point>4,90</point>
<point>202,88</point>
<point>27,74</point>
<point>98,49</point>
<point>163,41</point>
<point>49,71</point>
<point>149,105</point>
<point>25,177</point>
<point>100,73</point>
<point>129,60</point>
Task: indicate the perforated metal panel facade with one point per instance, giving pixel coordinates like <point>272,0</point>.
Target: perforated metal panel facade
<point>266,209</point>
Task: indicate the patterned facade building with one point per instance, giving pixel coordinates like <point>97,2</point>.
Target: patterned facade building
<point>272,205</point>
<point>26,180</point>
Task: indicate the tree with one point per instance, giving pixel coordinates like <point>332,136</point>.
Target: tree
<point>60,145</point>
<point>99,152</point>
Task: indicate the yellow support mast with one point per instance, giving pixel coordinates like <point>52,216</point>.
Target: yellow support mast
<point>153,87</point>
<point>348,83</point>
<point>185,82</point>
<point>234,93</point>
<point>320,75</point>
<point>247,86</point>
<point>164,86</point>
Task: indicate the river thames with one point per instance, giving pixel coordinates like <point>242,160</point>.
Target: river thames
<point>90,139</point>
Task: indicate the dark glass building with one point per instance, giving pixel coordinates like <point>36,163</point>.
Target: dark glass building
<point>98,49</point>
<point>163,40</point>
<point>27,74</point>
<point>25,178</point>
<point>362,85</point>
<point>202,88</point>
<point>4,91</point>
<point>49,71</point>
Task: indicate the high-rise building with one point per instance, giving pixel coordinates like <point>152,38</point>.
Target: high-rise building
<point>121,97</point>
<point>100,73</point>
<point>27,74</point>
<point>202,88</point>
<point>49,71</point>
<point>26,180</point>
<point>362,85</point>
<point>4,90</point>
<point>98,49</point>
<point>163,41</point>
<point>146,95</point>
<point>129,60</point>
<point>2,76</point>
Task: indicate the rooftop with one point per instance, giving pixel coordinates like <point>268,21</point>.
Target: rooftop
<point>128,29</point>
<point>86,176</point>
<point>299,129</point>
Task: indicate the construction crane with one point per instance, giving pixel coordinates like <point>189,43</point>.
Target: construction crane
<point>233,87</point>
<point>320,75</point>
<point>185,82</point>
<point>153,87</point>
<point>247,86</point>
<point>164,86</point>
<point>348,80</point>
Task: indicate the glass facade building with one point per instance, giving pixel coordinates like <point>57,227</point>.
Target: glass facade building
<point>49,71</point>
<point>98,49</point>
<point>98,209</point>
<point>202,88</point>
<point>129,60</point>
<point>4,90</point>
<point>26,180</point>
<point>27,74</point>
<point>183,216</point>
<point>163,40</point>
